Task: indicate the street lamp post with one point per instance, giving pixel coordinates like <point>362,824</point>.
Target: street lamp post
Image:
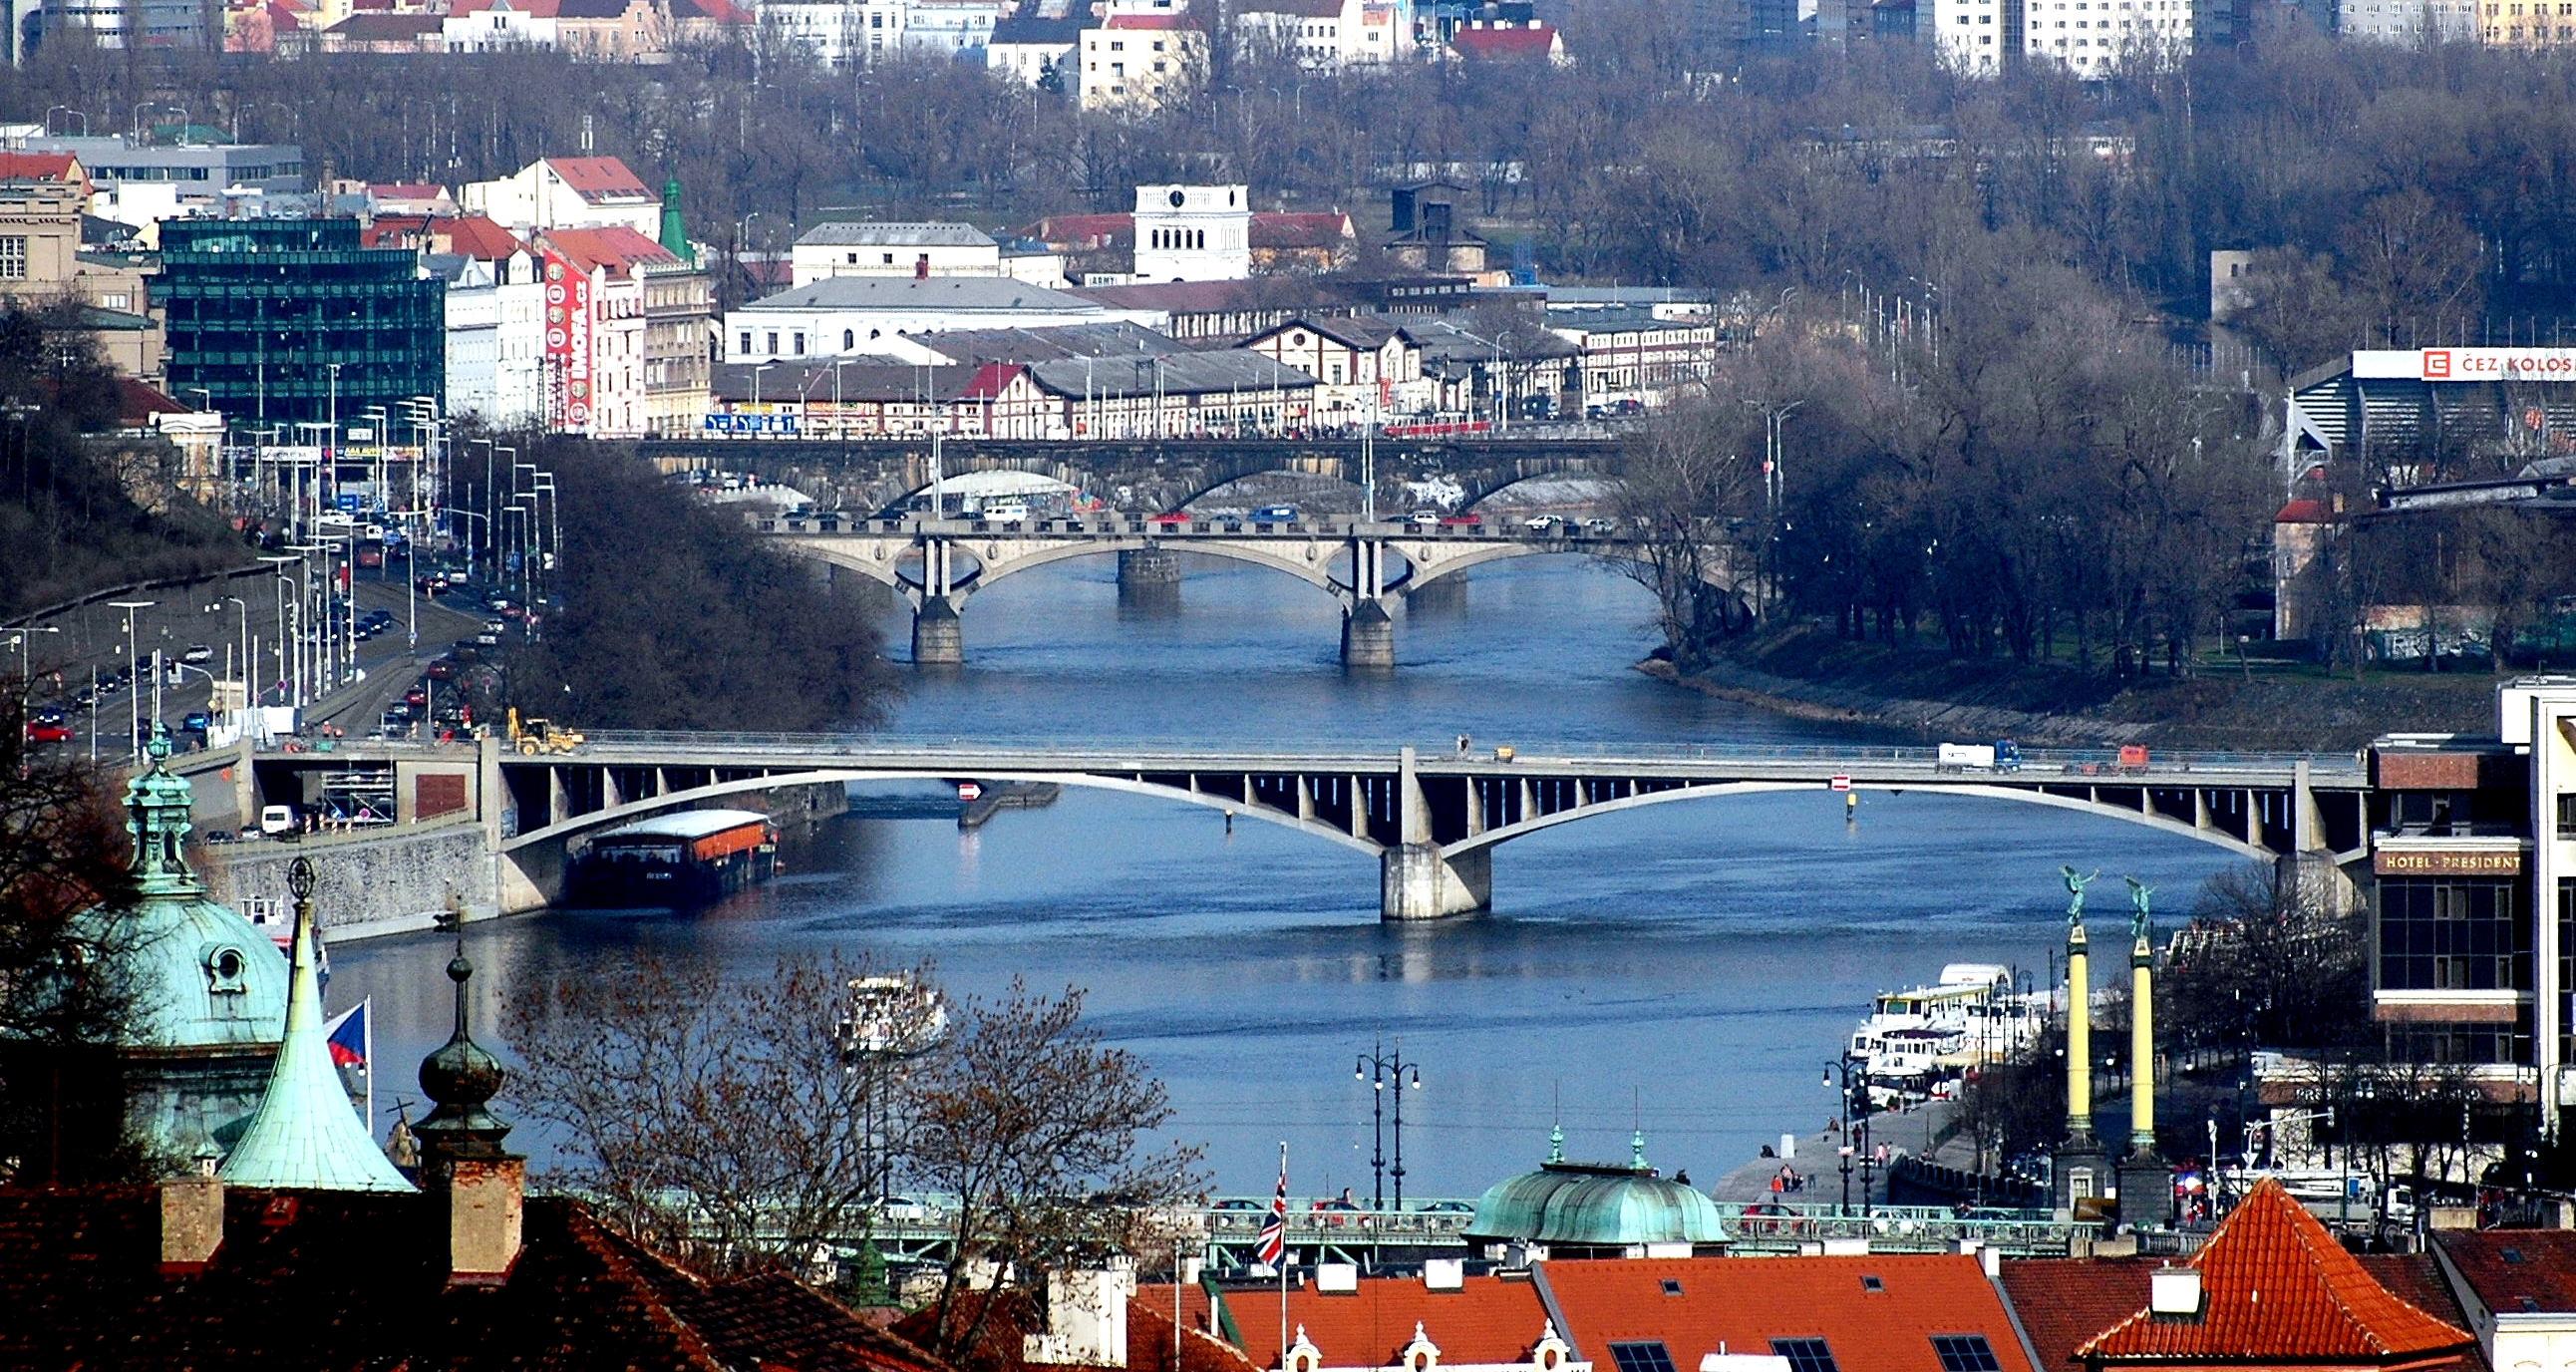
<point>20,642</point>
<point>134,700</point>
<point>1852,1075</point>
<point>1380,1069</point>
<point>244,606</point>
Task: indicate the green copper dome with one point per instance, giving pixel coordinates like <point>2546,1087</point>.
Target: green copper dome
<point>1595,1205</point>
<point>200,992</point>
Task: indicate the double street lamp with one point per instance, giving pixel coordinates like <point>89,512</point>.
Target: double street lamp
<point>134,692</point>
<point>1381,1069</point>
<point>1852,1074</point>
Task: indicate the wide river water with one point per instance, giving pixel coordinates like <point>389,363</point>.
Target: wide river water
<point>1689,967</point>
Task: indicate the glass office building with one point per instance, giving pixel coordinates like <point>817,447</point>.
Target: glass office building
<point>260,312</point>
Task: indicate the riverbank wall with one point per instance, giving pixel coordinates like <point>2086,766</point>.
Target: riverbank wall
<point>1807,673</point>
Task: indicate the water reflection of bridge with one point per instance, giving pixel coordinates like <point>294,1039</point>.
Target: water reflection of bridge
<point>937,564</point>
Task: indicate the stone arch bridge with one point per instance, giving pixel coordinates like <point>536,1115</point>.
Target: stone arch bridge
<point>1431,818</point>
<point>936,565</point>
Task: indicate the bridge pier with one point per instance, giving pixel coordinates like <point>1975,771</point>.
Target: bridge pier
<point>938,637</point>
<point>1151,567</point>
<point>1417,881</point>
<point>1368,635</point>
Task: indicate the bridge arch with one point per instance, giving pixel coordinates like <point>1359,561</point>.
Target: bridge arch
<point>2215,837</point>
<point>1316,573</point>
<point>579,825</point>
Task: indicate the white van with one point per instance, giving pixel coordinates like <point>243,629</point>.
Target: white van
<point>277,819</point>
<point>1011,512</point>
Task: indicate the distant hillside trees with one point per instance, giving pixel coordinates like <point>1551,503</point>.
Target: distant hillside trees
<point>675,617</point>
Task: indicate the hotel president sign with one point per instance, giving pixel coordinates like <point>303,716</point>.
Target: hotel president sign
<point>2447,862</point>
<point>2467,364</point>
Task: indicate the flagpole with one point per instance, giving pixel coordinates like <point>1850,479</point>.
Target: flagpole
<point>367,1012</point>
<point>1283,1261</point>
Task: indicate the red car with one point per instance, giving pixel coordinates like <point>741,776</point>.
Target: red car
<point>1462,521</point>
<point>49,733</point>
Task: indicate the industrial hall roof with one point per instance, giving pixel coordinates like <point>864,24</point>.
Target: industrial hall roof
<point>352,1280</point>
<point>1880,1313</point>
<point>2277,1289</point>
<point>872,234</point>
<point>945,293</point>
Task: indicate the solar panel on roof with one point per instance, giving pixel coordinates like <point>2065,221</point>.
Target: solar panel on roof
<point>1641,1357</point>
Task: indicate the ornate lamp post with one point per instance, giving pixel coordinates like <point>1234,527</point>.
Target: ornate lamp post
<point>1852,1075</point>
<point>1380,1069</point>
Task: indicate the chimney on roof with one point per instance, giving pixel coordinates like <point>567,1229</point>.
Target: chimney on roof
<point>2174,1292</point>
<point>1086,1317</point>
<point>192,1221</point>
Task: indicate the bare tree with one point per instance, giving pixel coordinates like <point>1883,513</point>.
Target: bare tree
<point>1038,1134</point>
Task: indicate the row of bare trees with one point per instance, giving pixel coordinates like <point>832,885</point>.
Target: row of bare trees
<point>2393,192</point>
<point>749,1121</point>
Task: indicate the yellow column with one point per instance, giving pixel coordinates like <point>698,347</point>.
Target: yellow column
<point>2079,1036</point>
<point>2142,1049</point>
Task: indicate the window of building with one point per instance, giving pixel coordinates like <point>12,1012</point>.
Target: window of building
<point>2567,815</point>
<point>13,257</point>
<point>849,339</point>
<point>1805,1355</point>
<point>800,345</point>
<point>773,343</point>
<point>2451,934</point>
<point>745,340</point>
<point>1965,1353</point>
<point>1641,1357</point>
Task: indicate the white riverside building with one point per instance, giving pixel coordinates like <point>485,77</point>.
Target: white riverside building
<point>2092,38</point>
<point>892,249</point>
<point>850,315</point>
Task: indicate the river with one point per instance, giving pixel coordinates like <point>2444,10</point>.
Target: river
<point>1686,969</point>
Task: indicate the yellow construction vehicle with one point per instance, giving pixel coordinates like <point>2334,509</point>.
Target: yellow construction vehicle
<point>533,736</point>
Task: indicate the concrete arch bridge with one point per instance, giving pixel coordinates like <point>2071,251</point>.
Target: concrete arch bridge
<point>937,565</point>
<point>1431,818</point>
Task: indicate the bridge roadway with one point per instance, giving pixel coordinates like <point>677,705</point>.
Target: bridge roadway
<point>1431,816</point>
<point>937,564</point>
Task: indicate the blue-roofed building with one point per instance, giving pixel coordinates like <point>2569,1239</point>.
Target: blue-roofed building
<point>1582,1209</point>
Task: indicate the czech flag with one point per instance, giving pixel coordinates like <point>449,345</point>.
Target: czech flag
<point>352,1037</point>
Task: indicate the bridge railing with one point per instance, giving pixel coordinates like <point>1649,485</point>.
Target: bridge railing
<point>2083,764</point>
<point>1125,526</point>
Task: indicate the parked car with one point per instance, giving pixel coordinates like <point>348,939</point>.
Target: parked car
<point>1275,514</point>
<point>197,653</point>
<point>1423,519</point>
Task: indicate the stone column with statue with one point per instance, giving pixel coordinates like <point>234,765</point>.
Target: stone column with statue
<point>2078,1163</point>
<point>2146,1183</point>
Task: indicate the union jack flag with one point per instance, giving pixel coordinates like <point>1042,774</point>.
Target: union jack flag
<point>1274,1230</point>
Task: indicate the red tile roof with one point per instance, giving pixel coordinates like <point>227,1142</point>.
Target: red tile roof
<point>1145,21</point>
<point>349,1279</point>
<point>2277,1288</point>
<point>1488,1320</point>
<point>2515,1271</point>
<point>1082,230</point>
<point>136,403</point>
<point>36,166</point>
<point>999,1345</point>
<point>1538,40</point>
<point>1324,230</point>
<point>405,190</point>
<point>990,380</point>
<point>617,248</point>
<point>1744,1303</point>
<point>598,178</point>
<point>714,11</point>
<point>2304,512</point>
<point>2064,1302</point>
<point>477,236</point>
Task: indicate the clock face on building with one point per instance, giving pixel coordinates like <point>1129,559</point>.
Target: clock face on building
<point>1177,199</point>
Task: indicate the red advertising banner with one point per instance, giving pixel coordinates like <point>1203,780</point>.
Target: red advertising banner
<point>567,341</point>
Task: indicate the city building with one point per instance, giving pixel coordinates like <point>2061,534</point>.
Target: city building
<point>1035,48</point>
<point>1427,230</point>
<point>891,249</point>
<point>1142,61</point>
<point>495,312</point>
<point>1180,395</point>
<point>1638,356</point>
<point>1324,34</point>
<point>199,173</point>
<point>568,193</point>
<point>2092,38</point>
<point>839,33</point>
<point>120,24</point>
<point>1291,243</point>
<point>285,321</point>
<point>2517,1290</point>
<point>1340,1321</point>
<point>849,315</point>
<point>2407,23</point>
<point>956,29</point>
<point>596,361</point>
<point>2520,23</point>
<point>1368,366</point>
<point>1193,233</point>
<point>679,345</point>
<point>498,25</point>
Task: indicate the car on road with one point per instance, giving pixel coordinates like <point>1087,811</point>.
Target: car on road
<point>197,653</point>
<point>1448,1207</point>
<point>1423,519</point>
<point>39,732</point>
<point>1539,524</point>
<point>1597,525</point>
<point>488,639</point>
<point>277,819</point>
<point>1469,520</point>
<point>1238,1204</point>
<point>440,670</point>
<point>495,626</point>
<point>416,697</point>
<point>196,721</point>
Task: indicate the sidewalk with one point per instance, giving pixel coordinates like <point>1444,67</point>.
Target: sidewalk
<point>1819,1160</point>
